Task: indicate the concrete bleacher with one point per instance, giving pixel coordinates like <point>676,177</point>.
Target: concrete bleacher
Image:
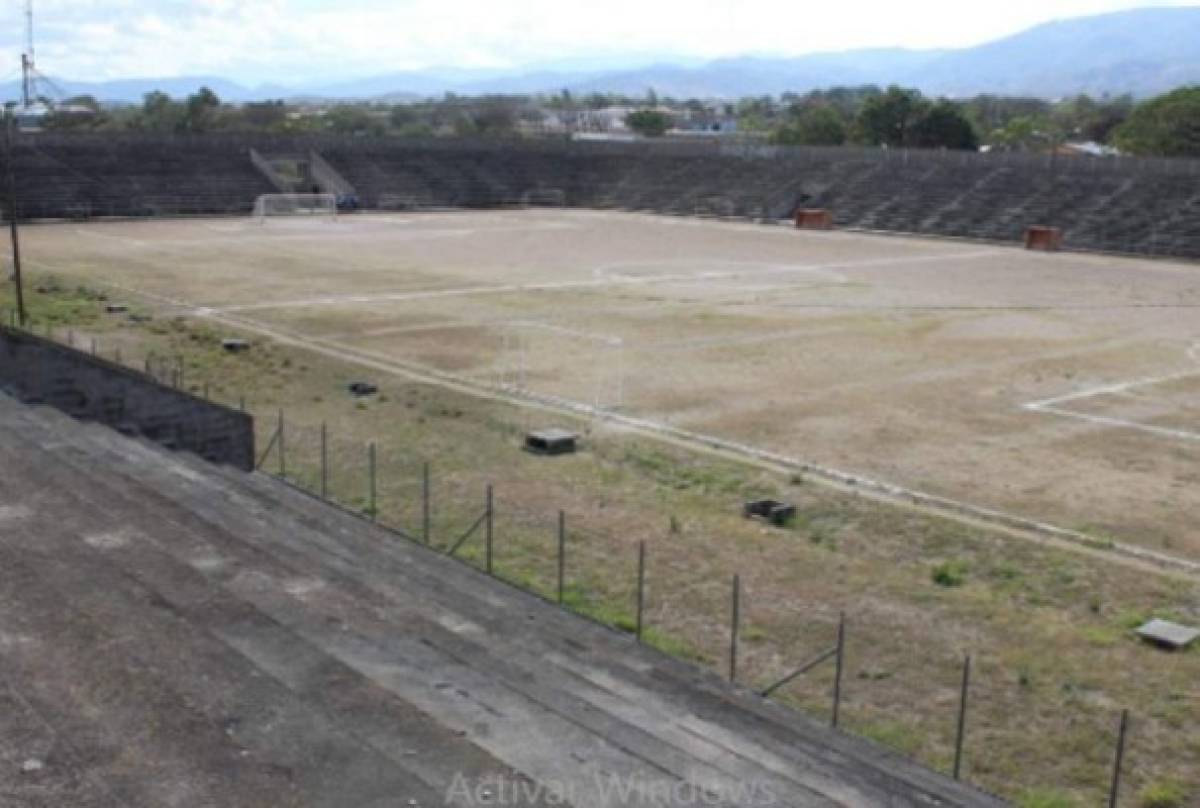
<point>85,177</point>
<point>176,633</point>
<point>1113,204</point>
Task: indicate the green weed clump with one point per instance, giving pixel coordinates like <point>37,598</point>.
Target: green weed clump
<point>906,740</point>
<point>1163,795</point>
<point>1045,798</point>
<point>950,573</point>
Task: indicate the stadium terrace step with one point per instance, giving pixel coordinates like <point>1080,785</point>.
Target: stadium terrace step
<point>204,636</point>
<point>1122,205</point>
<point>175,583</point>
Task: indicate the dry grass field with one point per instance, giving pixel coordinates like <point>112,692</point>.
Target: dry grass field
<point>1060,388</point>
<point>1056,387</point>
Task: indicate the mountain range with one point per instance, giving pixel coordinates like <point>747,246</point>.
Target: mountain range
<point>1142,52</point>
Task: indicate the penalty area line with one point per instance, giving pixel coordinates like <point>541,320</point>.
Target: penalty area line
<point>1051,406</point>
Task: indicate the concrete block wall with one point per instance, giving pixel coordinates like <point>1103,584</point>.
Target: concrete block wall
<point>38,371</point>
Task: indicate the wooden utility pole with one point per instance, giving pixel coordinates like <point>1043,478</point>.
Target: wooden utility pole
<point>12,216</point>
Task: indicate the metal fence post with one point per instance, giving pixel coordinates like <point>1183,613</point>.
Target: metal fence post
<point>282,452</point>
<point>641,587</point>
<point>372,508</point>
<point>179,364</point>
<point>324,461</point>
<point>242,403</point>
<point>426,503</point>
<point>837,676</point>
<point>562,552</point>
<point>962,717</point>
<point>1116,778</point>
<point>735,619</point>
<point>488,525</point>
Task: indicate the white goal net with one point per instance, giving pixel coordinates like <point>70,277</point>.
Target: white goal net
<point>295,205</point>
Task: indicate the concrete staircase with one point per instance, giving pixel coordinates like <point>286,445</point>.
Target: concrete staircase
<point>178,634</point>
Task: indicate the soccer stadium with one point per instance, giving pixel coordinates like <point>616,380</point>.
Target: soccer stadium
<point>684,466</point>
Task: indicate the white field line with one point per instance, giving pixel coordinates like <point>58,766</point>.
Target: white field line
<point>534,325</point>
<point>733,269</point>
<point>125,240</point>
<point>451,325</point>
<point>883,490</point>
<point>1050,405</point>
<point>821,270</point>
<point>704,343</point>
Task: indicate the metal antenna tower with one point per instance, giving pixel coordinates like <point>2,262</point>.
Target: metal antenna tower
<point>28,88</point>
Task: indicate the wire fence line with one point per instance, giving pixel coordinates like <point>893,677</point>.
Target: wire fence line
<point>547,554</point>
<point>563,559</point>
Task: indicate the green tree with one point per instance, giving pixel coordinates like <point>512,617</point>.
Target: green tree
<point>160,113</point>
<point>990,113</point>
<point>269,116</point>
<point>495,117</point>
<point>200,111</point>
<point>811,126</point>
<point>1106,118</point>
<point>402,115</point>
<point>1022,133</point>
<point>885,120</point>
<point>903,117</point>
<point>756,114</point>
<point>648,122</point>
<point>352,119</point>
<point>415,129</point>
<point>1166,126</point>
<point>943,126</point>
<point>1085,118</point>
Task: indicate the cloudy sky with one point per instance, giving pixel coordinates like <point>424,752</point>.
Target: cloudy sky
<point>295,41</point>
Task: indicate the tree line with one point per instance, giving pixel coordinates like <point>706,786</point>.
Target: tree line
<point>896,117</point>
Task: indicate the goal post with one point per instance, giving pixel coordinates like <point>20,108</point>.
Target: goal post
<point>270,205</point>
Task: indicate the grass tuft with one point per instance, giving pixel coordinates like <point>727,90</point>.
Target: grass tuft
<point>950,573</point>
<point>1167,794</point>
<point>1045,798</point>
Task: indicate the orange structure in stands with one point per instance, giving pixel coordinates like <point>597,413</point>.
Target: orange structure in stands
<point>814,219</point>
<point>1038,237</point>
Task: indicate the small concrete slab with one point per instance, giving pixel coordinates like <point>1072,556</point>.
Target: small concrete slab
<point>770,510</point>
<point>360,389</point>
<point>1167,634</point>
<point>552,441</point>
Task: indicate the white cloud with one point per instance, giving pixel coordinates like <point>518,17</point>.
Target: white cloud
<point>292,41</point>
